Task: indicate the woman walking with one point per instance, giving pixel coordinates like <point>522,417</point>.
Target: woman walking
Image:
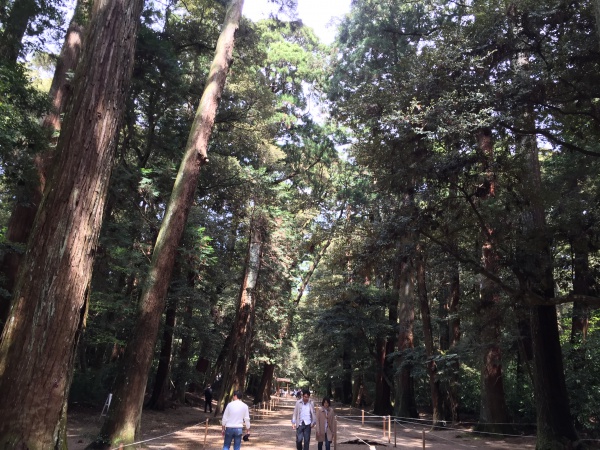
<point>325,428</point>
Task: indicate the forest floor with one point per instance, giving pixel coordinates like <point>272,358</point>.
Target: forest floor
<point>186,428</point>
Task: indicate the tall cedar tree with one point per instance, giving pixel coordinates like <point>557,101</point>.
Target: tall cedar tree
<point>23,215</point>
<point>493,414</point>
<point>37,347</point>
<point>123,423</point>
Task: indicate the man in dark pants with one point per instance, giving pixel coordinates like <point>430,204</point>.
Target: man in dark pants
<point>208,398</point>
<point>303,419</point>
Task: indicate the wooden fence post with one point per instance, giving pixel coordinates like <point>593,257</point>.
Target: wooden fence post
<point>335,435</point>
<point>205,433</point>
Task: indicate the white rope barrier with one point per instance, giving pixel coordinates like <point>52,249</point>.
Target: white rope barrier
<point>152,439</point>
<point>472,431</point>
<point>373,419</point>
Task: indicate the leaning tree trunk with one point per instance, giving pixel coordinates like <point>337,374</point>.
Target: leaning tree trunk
<point>23,214</point>
<point>15,26</point>
<point>37,347</point>
<point>493,416</point>
<point>123,422</point>
<point>238,352</point>
<point>70,53</point>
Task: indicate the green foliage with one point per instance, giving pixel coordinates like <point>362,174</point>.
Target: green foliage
<point>581,367</point>
<point>341,318</point>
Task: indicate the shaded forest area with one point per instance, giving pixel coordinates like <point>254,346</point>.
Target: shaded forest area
<point>405,219</point>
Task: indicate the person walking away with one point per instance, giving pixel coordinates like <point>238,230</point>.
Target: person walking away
<point>326,425</point>
<point>303,419</point>
<point>235,415</point>
<point>208,396</point>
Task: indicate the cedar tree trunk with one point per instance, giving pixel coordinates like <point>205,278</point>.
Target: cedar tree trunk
<point>238,351</point>
<point>449,338</point>
<point>38,344</point>
<point>383,377</point>
<point>122,424</point>
<point>23,214</point>
<point>264,389</point>
<point>405,405</point>
<point>157,400</point>
<point>434,384</point>
<point>555,424</point>
<point>15,26</point>
<point>493,416</point>
<point>346,377</point>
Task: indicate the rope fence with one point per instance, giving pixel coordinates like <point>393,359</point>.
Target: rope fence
<point>425,429</point>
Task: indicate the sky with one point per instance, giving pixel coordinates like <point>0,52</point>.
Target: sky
<point>316,14</point>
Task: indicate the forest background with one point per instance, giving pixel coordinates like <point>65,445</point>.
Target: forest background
<point>405,218</point>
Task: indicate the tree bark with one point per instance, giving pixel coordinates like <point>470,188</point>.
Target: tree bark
<point>383,377</point>
<point>346,377</point>
<point>21,13</point>
<point>453,304</point>
<point>493,416</point>
<point>555,426</point>
<point>23,214</point>
<point>382,405</point>
<point>37,347</point>
<point>265,386</point>
<point>61,88</point>
<point>158,398</point>
<point>405,404</point>
<point>434,384</point>
<point>236,365</point>
<point>122,424</point>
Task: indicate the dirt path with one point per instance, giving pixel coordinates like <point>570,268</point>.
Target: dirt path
<point>185,428</point>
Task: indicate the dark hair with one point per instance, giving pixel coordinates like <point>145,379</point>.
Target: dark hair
<point>305,392</point>
<point>238,394</point>
<point>326,400</point>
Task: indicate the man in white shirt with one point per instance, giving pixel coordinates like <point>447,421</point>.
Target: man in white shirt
<point>236,413</point>
<point>303,419</point>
